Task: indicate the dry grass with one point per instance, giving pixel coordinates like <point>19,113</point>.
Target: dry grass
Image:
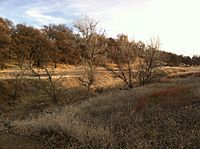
<point>173,72</point>
<point>172,95</point>
<point>110,121</point>
<point>159,115</point>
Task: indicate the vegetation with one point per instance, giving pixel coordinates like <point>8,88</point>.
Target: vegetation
<point>60,44</point>
<point>75,88</point>
<point>169,118</point>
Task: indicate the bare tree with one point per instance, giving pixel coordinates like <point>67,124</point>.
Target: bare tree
<point>148,61</point>
<point>123,53</point>
<point>91,46</point>
<point>51,86</point>
<point>18,80</point>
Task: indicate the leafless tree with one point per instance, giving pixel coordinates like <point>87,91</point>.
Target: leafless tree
<point>148,61</point>
<point>19,77</point>
<point>123,53</point>
<point>51,86</point>
<point>91,46</point>
<point>18,82</point>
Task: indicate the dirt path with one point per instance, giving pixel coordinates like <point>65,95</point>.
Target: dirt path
<point>11,141</point>
<point>29,75</point>
<point>11,74</point>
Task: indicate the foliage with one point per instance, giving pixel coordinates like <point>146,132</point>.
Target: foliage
<point>5,41</point>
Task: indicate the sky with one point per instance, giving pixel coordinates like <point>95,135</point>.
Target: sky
<point>175,22</point>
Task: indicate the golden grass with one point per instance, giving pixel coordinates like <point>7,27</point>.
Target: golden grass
<point>159,115</point>
<point>110,120</point>
<point>174,71</point>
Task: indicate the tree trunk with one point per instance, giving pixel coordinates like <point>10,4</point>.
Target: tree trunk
<point>55,64</point>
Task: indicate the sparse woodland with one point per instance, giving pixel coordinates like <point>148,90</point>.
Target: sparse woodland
<point>84,43</point>
<point>122,93</point>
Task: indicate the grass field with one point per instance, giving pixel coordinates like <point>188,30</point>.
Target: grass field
<point>159,115</point>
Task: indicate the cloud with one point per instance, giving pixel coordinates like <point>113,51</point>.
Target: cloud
<point>50,12</point>
<point>39,16</point>
<point>175,22</point>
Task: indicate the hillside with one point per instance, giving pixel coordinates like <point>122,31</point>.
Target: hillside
<point>158,115</point>
<point>65,89</point>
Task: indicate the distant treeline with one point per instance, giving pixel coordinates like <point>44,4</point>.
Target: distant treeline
<point>61,44</point>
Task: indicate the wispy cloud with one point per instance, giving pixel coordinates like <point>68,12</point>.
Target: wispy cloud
<point>42,16</point>
<point>45,12</point>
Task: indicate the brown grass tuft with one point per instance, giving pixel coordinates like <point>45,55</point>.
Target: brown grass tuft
<point>161,95</point>
<point>174,91</point>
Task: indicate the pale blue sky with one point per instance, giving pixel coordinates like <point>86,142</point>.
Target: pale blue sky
<point>175,22</point>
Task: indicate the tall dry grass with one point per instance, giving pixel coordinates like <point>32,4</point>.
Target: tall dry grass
<point>110,120</point>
